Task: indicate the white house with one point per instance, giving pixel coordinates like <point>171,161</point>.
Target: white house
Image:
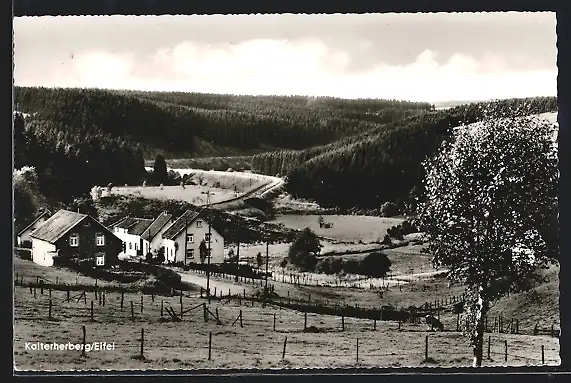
<point>153,235</point>
<point>130,231</point>
<point>182,239</point>
<point>24,239</point>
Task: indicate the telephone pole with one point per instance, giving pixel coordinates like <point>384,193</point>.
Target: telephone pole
<point>237,261</point>
<point>267,261</point>
<point>209,245</point>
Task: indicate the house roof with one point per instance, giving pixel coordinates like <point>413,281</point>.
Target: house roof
<point>156,226</point>
<point>180,224</point>
<point>140,226</point>
<point>60,223</point>
<point>57,225</point>
<point>34,221</point>
<point>135,226</point>
<point>114,224</point>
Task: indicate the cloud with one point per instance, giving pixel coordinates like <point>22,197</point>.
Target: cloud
<point>302,66</point>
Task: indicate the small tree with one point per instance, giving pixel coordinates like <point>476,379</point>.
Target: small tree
<point>375,264</point>
<point>161,255</point>
<point>389,209</point>
<point>160,174</point>
<point>203,250</point>
<point>488,193</point>
<point>259,260</point>
<point>96,193</point>
<point>305,244</point>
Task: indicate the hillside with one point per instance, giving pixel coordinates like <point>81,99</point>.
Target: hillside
<point>202,125</point>
<point>384,163</point>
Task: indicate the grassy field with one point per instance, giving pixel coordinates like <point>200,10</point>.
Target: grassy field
<point>169,345</point>
<point>348,228</point>
<point>191,193</point>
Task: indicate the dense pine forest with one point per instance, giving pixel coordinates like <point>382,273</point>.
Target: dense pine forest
<point>385,163</point>
<point>178,123</point>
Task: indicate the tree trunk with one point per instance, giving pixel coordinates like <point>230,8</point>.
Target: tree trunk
<point>481,307</point>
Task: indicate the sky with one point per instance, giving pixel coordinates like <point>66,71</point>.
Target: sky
<point>418,57</point>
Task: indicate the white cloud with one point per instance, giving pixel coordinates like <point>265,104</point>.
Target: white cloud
<point>307,67</point>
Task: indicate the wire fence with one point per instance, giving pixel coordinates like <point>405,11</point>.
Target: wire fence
<point>183,326</point>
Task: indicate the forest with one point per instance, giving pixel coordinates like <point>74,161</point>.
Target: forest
<point>385,163</point>
<point>174,122</point>
<point>344,153</point>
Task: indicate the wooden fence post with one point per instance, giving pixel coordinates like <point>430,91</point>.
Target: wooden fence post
<point>132,312</point>
<point>542,354</point>
<point>162,305</point>
<point>241,319</point>
<point>92,311</point>
<point>357,350</point>
<point>50,310</point>
<point>142,341</point>
<point>209,345</point>
<point>104,299</point>
<point>122,299</point>
<point>304,321</point>
<point>506,350</point>
<point>83,341</point>
<point>274,321</point>
<point>100,301</point>
<point>489,345</point>
<point>67,295</point>
<point>34,293</point>
<point>375,324</point>
<point>342,323</point>
<point>141,303</point>
<point>284,351</point>
<point>50,291</point>
<point>426,348</point>
<point>457,321</point>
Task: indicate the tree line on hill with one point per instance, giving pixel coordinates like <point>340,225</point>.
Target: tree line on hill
<point>65,161</point>
<point>173,121</point>
<point>383,164</point>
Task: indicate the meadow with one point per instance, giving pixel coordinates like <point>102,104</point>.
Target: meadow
<point>346,228</point>
<point>192,194</point>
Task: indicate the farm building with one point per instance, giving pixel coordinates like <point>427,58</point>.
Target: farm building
<point>182,239</point>
<point>73,236</point>
<point>153,235</point>
<point>130,231</point>
<point>23,238</point>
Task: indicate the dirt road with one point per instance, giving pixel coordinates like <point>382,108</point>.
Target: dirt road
<point>201,280</point>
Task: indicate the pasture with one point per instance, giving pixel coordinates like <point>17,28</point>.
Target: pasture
<point>232,181</point>
<point>192,194</point>
<point>253,343</point>
<point>346,228</point>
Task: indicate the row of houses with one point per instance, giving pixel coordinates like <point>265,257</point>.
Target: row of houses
<point>80,237</point>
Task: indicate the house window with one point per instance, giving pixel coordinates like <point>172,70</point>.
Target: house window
<point>198,223</point>
<point>207,237</point>
<point>189,253</point>
<point>190,238</point>
<point>99,239</point>
<point>100,260</point>
<point>130,246</point>
<point>74,240</point>
<point>86,223</point>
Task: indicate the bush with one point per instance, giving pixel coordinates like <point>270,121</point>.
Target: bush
<point>389,209</point>
<point>375,264</point>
